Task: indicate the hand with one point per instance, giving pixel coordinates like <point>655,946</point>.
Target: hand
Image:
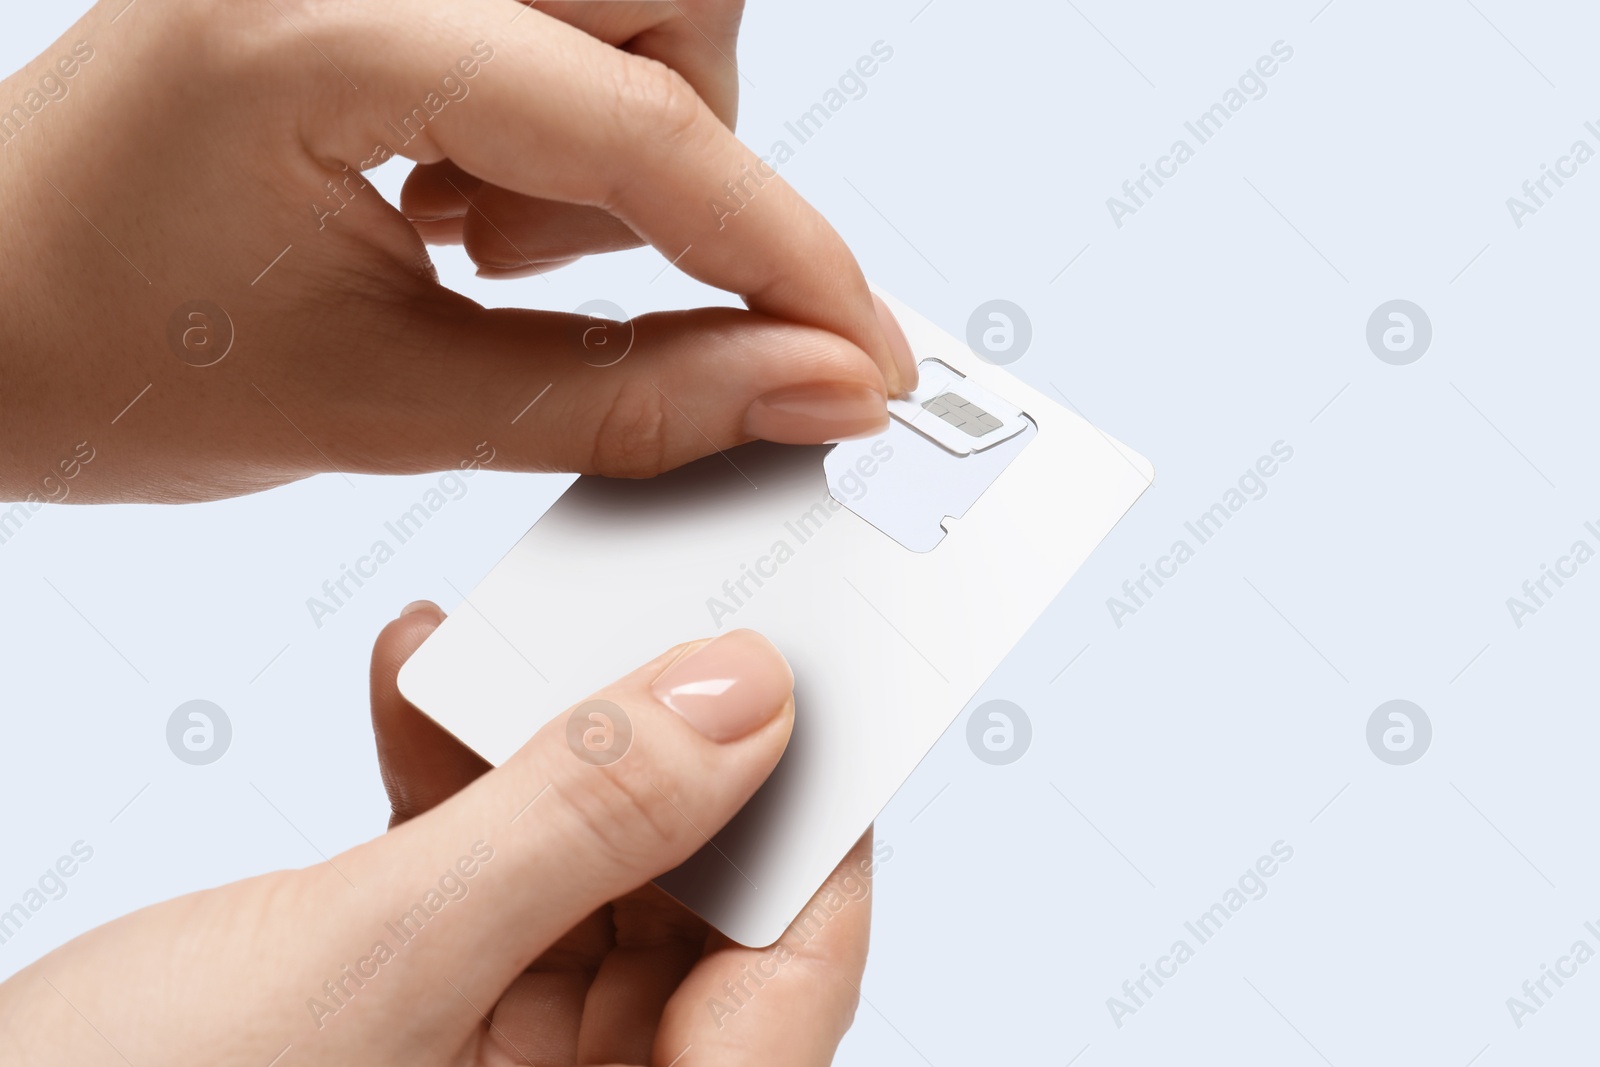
<point>501,921</point>
<point>188,189</point>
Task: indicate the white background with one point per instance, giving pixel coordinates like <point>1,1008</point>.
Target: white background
<point>1224,716</point>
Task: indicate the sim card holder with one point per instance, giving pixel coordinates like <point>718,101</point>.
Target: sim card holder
<point>947,442</point>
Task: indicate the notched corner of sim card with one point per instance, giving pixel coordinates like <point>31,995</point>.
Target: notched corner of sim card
<point>946,444</point>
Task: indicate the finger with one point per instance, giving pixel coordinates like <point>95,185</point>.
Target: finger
<point>700,45</point>
<point>437,191</point>
<point>657,944</point>
<point>787,1005</point>
<point>539,1016</point>
<point>600,127</point>
<point>697,38</point>
<point>621,399</point>
<point>421,762</point>
<point>434,200</point>
<point>486,882</point>
<point>540,1013</point>
<point>503,230</point>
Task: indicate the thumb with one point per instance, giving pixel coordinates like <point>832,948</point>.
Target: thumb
<point>619,789</point>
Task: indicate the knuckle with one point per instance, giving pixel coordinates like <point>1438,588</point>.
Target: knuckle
<point>848,1008</point>
<point>623,814</point>
<point>718,14</point>
<point>254,44</point>
<point>264,48</point>
<point>632,440</point>
<point>664,101</point>
<point>847,1000</point>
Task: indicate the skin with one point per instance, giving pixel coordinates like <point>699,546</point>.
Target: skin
<point>558,952</point>
<point>203,140</point>
<point>198,141</point>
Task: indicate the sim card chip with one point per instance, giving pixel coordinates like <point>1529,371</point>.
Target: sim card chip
<point>955,412</point>
<point>963,414</point>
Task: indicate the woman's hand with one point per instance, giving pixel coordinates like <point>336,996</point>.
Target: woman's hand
<point>505,919</point>
<point>204,294</point>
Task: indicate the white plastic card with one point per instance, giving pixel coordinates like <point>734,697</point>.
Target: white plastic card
<point>894,573</point>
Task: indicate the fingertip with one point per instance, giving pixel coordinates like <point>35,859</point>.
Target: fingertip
<point>436,191</point>
<point>422,606</point>
<point>422,764</point>
<point>399,639</point>
<point>729,687</point>
<point>527,270</point>
<point>816,388</point>
<point>817,413</point>
<point>905,361</point>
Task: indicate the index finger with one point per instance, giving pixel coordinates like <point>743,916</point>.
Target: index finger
<point>552,112</point>
<point>696,38</point>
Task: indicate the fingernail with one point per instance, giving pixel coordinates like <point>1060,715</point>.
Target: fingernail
<point>899,347</point>
<point>728,688</point>
<point>815,414</point>
<point>422,605</point>
<point>526,270</point>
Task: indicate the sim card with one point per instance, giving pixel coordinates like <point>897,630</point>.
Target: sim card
<point>961,416</point>
<point>861,561</point>
<point>952,437</point>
